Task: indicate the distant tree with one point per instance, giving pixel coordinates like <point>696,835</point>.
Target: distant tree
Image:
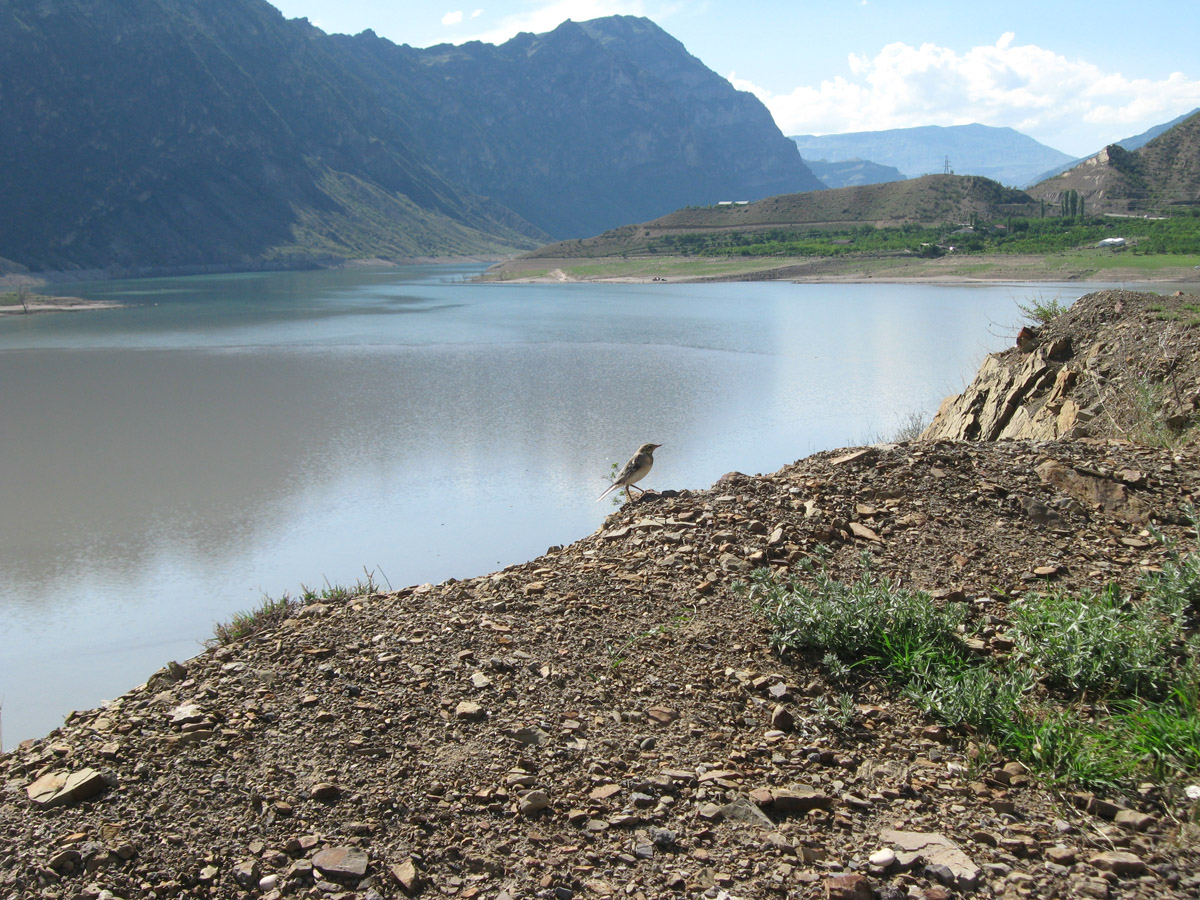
<point>1072,205</point>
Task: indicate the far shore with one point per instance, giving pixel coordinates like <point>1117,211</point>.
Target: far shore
<point>1083,266</point>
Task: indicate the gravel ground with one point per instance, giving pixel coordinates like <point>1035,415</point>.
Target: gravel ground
<point>610,719</point>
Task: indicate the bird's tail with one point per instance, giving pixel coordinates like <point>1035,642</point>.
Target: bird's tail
<point>608,490</point>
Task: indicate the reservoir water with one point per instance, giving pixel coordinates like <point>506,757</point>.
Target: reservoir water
<point>165,465</point>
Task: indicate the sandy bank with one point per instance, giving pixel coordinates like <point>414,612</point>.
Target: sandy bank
<point>39,303</point>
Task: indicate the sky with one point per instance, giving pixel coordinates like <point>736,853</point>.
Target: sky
<point>1074,75</point>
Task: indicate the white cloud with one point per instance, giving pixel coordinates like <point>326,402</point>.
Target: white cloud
<point>477,14</point>
<point>452,18</point>
<point>1021,86</point>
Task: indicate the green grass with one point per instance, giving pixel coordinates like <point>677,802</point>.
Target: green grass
<point>267,615</point>
<point>1143,262</point>
<point>273,611</point>
<point>1101,689</point>
<point>665,267</point>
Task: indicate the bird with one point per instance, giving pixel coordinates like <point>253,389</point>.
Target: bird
<point>633,471</point>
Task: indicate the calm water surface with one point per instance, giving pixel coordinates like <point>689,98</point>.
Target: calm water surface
<point>164,465</point>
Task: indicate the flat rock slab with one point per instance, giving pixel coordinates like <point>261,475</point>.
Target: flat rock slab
<point>799,800</point>
<point>60,788</point>
<point>342,864</point>
<point>937,850</point>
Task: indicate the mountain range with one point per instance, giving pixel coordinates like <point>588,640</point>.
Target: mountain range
<point>170,135</point>
<point>1001,154</point>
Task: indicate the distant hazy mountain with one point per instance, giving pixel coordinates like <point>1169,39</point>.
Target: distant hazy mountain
<point>852,172</point>
<point>1162,173</point>
<point>1000,154</point>
<point>1129,143</point>
<point>172,133</point>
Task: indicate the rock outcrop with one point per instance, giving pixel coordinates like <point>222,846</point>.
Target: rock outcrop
<point>1117,364</point>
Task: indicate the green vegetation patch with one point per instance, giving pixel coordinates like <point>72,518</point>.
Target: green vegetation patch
<point>1101,689</point>
<point>271,612</point>
<point>1148,238</point>
<point>1040,310</point>
<point>20,298</point>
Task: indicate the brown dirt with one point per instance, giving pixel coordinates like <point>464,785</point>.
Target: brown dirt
<point>625,680</point>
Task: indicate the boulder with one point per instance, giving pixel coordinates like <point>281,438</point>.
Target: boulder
<point>60,788</point>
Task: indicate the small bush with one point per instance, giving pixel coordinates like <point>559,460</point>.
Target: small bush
<point>1097,644</point>
<point>1040,310</point>
<point>267,615</point>
<point>866,620</point>
<point>910,427</point>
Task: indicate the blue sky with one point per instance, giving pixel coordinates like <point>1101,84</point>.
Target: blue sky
<point>1073,75</point>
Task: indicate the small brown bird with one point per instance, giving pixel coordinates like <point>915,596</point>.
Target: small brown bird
<point>633,471</point>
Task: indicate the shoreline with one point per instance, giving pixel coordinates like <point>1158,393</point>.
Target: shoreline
<point>870,270</point>
<point>1083,267</point>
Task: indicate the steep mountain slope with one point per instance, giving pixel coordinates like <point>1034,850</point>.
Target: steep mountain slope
<point>1001,154</point>
<point>1163,173</point>
<point>590,126</point>
<point>1141,140</point>
<point>164,133</point>
<point>170,134</point>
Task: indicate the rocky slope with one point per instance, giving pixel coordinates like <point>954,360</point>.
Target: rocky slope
<point>1117,364</point>
<point>609,719</point>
